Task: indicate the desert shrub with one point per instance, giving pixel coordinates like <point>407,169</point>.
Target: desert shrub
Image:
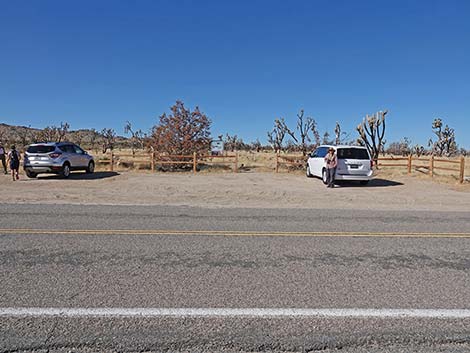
<point>182,132</point>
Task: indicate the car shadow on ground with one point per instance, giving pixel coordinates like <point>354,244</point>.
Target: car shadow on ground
<point>374,183</point>
<point>80,176</point>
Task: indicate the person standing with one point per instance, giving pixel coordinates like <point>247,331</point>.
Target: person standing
<point>331,162</point>
<point>3,158</point>
<point>14,161</point>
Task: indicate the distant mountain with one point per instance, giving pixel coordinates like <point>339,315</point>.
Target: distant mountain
<point>24,135</point>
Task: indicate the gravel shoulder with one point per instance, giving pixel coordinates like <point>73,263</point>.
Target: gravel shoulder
<point>250,190</point>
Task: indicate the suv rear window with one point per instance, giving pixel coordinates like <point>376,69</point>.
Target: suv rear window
<point>352,153</point>
<point>40,149</point>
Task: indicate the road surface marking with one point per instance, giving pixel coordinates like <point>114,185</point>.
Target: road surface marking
<point>230,233</point>
<point>234,313</point>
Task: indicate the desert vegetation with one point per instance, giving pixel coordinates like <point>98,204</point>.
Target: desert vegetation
<point>184,131</point>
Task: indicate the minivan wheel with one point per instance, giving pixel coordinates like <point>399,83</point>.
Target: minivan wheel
<point>30,174</point>
<point>91,168</point>
<point>65,172</point>
<point>323,176</point>
<point>309,175</point>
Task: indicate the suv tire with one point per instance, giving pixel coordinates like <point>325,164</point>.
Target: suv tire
<point>65,172</point>
<point>323,176</point>
<point>91,167</point>
<point>309,175</point>
<point>30,174</point>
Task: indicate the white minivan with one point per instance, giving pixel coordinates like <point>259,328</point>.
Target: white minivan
<point>354,163</point>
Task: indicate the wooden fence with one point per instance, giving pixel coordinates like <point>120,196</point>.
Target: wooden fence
<point>296,161</point>
<point>428,164</point>
<point>431,163</point>
<point>153,159</point>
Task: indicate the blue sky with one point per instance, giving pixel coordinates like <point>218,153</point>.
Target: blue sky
<point>244,63</point>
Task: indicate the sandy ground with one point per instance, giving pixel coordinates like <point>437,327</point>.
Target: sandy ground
<point>263,190</point>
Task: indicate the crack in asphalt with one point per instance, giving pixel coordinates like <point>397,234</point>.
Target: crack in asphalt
<point>321,344</point>
<point>36,257</point>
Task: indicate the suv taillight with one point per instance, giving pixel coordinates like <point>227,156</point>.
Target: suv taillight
<point>371,163</point>
<point>54,155</point>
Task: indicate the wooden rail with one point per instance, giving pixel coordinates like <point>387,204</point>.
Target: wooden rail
<point>431,167</point>
<point>409,162</point>
<point>289,161</point>
<point>154,159</point>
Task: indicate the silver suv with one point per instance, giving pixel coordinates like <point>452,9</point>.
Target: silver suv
<point>56,157</point>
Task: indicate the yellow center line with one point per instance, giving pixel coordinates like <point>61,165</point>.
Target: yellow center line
<point>25,231</point>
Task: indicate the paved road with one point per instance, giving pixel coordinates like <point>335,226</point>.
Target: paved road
<point>232,258</point>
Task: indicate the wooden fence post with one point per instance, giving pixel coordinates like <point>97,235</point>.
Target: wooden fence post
<point>409,163</point>
<point>277,162</point>
<point>462,169</point>
<point>236,163</point>
<point>194,162</point>
<point>431,165</point>
<point>112,161</point>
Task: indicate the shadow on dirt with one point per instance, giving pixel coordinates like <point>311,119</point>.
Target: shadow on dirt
<point>80,176</point>
<point>371,184</point>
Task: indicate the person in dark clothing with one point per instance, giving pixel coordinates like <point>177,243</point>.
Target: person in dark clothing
<point>14,162</point>
<point>3,158</point>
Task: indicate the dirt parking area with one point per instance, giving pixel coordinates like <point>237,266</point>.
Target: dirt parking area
<point>260,190</point>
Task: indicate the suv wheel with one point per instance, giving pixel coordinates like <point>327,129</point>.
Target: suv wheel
<point>65,172</point>
<point>309,175</point>
<point>30,174</point>
<point>364,182</point>
<point>323,176</point>
<point>91,168</point>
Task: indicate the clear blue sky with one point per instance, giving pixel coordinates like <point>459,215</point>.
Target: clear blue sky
<point>244,63</point>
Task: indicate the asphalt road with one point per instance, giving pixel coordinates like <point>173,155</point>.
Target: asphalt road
<point>181,257</point>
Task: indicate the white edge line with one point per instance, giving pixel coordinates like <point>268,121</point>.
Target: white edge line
<point>234,313</point>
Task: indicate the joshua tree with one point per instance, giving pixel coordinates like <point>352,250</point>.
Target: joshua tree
<point>445,143</point>
<point>137,137</point>
<point>371,133</point>
<point>305,126</point>
<point>277,135</point>
<point>108,139</point>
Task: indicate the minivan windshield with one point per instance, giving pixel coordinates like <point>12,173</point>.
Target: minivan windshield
<point>352,153</point>
<point>40,149</point>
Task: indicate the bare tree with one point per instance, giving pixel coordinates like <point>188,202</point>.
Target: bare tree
<point>255,145</point>
<point>235,143</point>
<point>372,131</point>
<point>79,136</point>
<point>3,134</point>
<point>418,150</point>
<point>305,126</point>
<point>62,131</point>
<point>25,136</point>
<point>94,135</point>
<point>137,137</point>
<point>277,135</point>
<point>108,139</point>
<point>53,133</point>
<point>403,147</point>
<point>337,134</point>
